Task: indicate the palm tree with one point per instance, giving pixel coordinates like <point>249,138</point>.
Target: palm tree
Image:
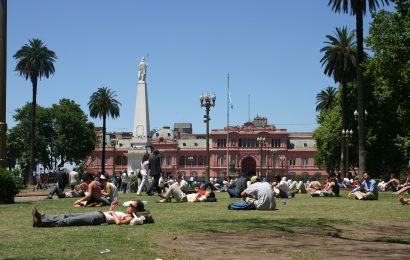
<point>34,61</point>
<point>102,104</point>
<point>340,62</point>
<point>326,99</point>
<point>358,8</point>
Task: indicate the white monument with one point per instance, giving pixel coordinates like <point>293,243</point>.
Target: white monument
<point>140,130</point>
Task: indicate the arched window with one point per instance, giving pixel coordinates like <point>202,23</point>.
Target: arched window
<point>221,160</point>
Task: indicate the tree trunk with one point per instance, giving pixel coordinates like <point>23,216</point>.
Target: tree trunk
<point>29,178</point>
<point>360,89</point>
<point>103,143</point>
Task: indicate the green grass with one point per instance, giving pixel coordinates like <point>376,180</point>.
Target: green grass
<point>19,240</point>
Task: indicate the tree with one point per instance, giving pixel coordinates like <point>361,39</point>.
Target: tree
<point>358,8</point>
<point>339,61</point>
<point>388,74</point>
<point>34,61</point>
<point>102,104</point>
<point>64,134</point>
<point>326,99</point>
<point>74,137</point>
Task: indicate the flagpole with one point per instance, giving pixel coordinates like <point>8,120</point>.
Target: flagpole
<point>227,132</point>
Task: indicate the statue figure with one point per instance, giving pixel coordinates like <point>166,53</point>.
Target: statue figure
<point>142,70</point>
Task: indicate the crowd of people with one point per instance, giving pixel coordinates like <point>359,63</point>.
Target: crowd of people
<point>98,191</point>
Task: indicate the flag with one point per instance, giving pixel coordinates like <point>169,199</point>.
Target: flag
<point>229,99</point>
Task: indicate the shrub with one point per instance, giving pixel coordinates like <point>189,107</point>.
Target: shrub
<point>10,185</point>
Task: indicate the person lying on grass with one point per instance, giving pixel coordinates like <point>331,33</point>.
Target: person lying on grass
<point>91,218</point>
<point>175,192</point>
<point>404,201</point>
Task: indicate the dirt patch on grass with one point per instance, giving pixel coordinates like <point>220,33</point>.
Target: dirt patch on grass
<point>392,242</point>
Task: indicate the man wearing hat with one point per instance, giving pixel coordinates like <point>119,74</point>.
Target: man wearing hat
<point>260,194</point>
<point>109,191</point>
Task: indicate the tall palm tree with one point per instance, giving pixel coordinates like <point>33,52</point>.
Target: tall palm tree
<point>34,61</point>
<point>102,104</point>
<point>326,99</point>
<point>358,8</point>
<point>339,61</point>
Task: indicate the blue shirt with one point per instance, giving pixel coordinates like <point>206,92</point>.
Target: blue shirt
<point>369,186</point>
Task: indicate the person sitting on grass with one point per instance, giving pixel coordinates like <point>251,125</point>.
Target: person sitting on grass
<point>393,184</point>
<point>331,189</point>
<point>313,186</point>
<point>93,195</point>
<point>405,187</point>
<point>175,192</point>
<point>91,218</point>
<point>109,192</point>
<point>259,194</point>
<point>366,190</point>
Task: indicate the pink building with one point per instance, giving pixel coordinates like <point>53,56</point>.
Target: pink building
<point>254,148</point>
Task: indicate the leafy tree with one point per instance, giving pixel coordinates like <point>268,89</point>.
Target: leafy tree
<point>326,99</point>
<point>34,61</point>
<point>358,8</point>
<point>339,61</point>
<point>103,103</point>
<point>74,136</point>
<point>63,135</point>
<point>388,72</point>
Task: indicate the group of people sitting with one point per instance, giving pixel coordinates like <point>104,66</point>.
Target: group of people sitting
<point>92,191</point>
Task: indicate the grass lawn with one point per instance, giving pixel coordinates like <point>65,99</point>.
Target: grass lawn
<point>185,223</point>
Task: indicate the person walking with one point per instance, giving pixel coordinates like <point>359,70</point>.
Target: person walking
<point>154,166</point>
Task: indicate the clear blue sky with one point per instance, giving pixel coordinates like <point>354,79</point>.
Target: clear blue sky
<point>269,48</point>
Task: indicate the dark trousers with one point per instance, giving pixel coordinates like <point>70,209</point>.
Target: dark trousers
<point>155,185</point>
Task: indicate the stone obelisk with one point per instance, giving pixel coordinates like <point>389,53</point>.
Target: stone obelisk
<point>141,131</point>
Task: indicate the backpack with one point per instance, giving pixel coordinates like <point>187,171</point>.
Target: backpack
<point>241,205</point>
<point>148,217</point>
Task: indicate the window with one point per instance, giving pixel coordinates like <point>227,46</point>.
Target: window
<point>201,160</point>
<point>276,142</point>
<point>168,160</point>
<point>292,162</point>
<point>221,143</point>
<point>196,144</point>
<point>304,144</point>
<point>221,160</point>
<point>183,144</point>
<point>305,162</point>
<point>121,160</point>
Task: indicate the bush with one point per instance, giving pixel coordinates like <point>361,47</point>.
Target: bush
<point>10,185</point>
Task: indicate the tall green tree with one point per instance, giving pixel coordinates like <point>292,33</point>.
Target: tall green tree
<point>34,61</point>
<point>103,103</point>
<point>339,60</point>
<point>326,99</point>
<point>358,8</point>
<point>388,74</point>
<point>74,135</point>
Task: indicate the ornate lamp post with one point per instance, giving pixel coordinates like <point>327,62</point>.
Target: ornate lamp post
<point>282,162</point>
<point>361,118</point>
<point>190,159</point>
<point>3,59</point>
<point>346,135</point>
<point>207,101</point>
<point>274,151</point>
<point>114,142</point>
<point>261,141</point>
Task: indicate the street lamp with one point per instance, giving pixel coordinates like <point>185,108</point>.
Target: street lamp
<point>207,101</point>
<point>261,141</point>
<point>3,72</point>
<point>282,159</point>
<point>346,135</point>
<point>114,142</point>
<point>361,118</point>
<point>190,159</point>
<point>274,151</point>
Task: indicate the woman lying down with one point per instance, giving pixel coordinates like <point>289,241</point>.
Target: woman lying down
<point>134,209</point>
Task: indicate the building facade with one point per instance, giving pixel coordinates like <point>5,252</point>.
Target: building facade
<point>255,148</point>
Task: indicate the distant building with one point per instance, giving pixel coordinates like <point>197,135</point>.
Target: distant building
<point>282,153</point>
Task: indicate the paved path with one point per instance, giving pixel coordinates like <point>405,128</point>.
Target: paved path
<point>29,198</point>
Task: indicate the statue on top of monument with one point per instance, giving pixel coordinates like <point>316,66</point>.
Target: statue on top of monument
<point>142,70</point>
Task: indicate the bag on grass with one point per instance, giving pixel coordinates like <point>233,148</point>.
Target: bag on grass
<point>148,217</point>
<point>241,205</point>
